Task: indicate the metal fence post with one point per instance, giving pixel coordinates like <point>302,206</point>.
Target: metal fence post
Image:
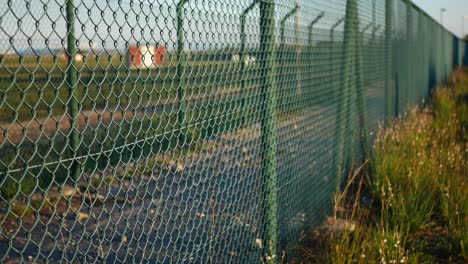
<point>408,89</point>
<point>298,49</point>
<point>243,57</point>
<point>364,31</point>
<point>350,28</point>
<point>268,126</point>
<point>72,79</point>
<point>332,29</point>
<point>332,40</point>
<point>397,95</point>
<point>282,51</point>
<point>460,53</point>
<point>360,92</point>
<point>311,26</point>
<point>180,71</point>
<point>388,59</point>
<point>374,49</point>
<point>310,49</point>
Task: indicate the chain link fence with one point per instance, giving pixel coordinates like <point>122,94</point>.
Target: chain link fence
<point>195,130</point>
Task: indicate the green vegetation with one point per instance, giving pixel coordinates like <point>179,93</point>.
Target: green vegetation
<point>125,114</point>
<point>413,206</point>
<point>36,87</point>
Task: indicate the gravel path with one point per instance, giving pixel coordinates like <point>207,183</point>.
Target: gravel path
<point>204,207</point>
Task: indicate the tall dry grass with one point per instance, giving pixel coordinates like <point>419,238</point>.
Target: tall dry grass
<point>410,204</point>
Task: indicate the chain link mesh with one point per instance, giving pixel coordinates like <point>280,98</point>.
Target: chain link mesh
<point>195,130</point>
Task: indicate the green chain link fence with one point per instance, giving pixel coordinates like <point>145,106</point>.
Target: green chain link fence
<point>195,130</point>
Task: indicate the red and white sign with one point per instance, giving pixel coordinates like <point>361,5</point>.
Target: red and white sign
<point>146,56</point>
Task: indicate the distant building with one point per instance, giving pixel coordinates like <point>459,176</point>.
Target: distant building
<point>146,56</point>
<point>79,57</point>
<point>4,54</point>
<point>8,53</point>
<point>247,60</point>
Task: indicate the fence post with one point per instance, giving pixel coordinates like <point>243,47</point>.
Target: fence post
<point>268,126</point>
<point>360,91</point>
<point>282,47</point>
<point>388,60</point>
<point>242,57</point>
<point>460,53</point>
<point>311,26</point>
<point>346,78</point>
<point>372,48</point>
<point>310,49</point>
<point>72,79</point>
<point>298,49</point>
<point>375,51</point>
<point>332,63</point>
<point>397,95</point>
<point>360,44</point>
<point>180,71</point>
<point>361,38</point>
<point>407,91</point>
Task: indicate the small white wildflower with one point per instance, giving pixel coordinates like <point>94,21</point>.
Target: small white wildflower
<point>363,256</point>
<point>385,240</point>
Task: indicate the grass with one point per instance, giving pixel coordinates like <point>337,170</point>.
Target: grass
<point>417,187</point>
<point>36,86</point>
<point>118,107</point>
<point>33,90</point>
<point>28,92</point>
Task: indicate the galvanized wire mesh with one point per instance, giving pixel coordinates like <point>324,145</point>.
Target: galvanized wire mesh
<point>195,131</point>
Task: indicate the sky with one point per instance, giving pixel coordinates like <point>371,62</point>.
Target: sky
<point>452,18</point>
<point>208,23</point>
